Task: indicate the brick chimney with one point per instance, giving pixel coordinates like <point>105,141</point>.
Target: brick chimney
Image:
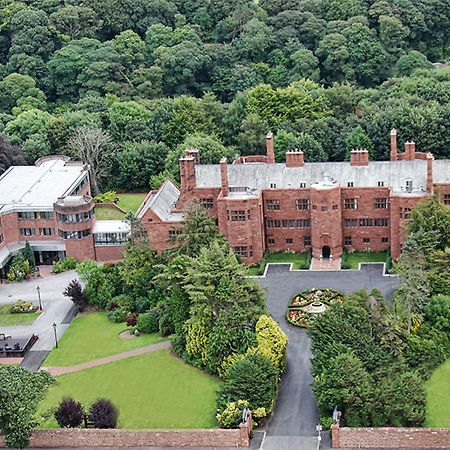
<point>393,144</point>
<point>194,152</point>
<point>410,150</point>
<point>224,176</point>
<point>269,148</point>
<point>187,174</point>
<point>430,159</point>
<point>359,157</point>
<point>295,159</point>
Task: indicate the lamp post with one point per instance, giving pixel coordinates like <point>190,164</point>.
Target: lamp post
<point>56,336</point>
<point>319,437</point>
<point>38,289</point>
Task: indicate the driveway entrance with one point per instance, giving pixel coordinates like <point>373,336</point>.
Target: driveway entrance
<point>295,417</point>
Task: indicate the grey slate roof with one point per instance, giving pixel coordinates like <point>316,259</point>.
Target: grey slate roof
<point>394,174</point>
<point>162,202</point>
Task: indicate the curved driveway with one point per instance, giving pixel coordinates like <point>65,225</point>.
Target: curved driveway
<point>293,424</point>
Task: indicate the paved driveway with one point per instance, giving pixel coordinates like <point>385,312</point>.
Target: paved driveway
<point>57,309</point>
<point>293,424</point>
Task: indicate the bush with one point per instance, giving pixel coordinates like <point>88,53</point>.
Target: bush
<point>149,321</point>
<point>106,197</point>
<point>132,320</point>
<point>65,264</point>
<point>22,306</point>
<point>69,413</point>
<point>165,325</point>
<point>437,312</point>
<point>104,414</point>
<point>19,268</point>
<point>119,314</point>
<point>75,292</point>
<point>231,416</point>
<point>253,378</point>
<point>326,422</point>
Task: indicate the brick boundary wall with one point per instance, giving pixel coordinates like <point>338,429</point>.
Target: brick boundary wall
<point>81,438</point>
<point>390,437</point>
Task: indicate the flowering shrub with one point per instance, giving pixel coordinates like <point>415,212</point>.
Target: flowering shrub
<point>22,307</point>
<point>231,416</point>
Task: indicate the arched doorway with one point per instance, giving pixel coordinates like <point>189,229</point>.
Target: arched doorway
<point>326,251</point>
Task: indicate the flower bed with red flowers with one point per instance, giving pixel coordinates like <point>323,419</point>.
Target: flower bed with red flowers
<point>296,314</point>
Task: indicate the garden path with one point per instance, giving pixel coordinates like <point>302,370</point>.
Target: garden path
<point>58,371</point>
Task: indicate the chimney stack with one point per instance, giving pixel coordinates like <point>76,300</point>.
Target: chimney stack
<point>410,150</point>
<point>430,159</point>
<point>224,176</point>
<point>187,173</point>
<point>194,152</point>
<point>359,157</point>
<point>393,144</point>
<point>295,159</point>
<point>269,148</point>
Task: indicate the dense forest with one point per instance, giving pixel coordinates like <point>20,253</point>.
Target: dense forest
<point>127,85</point>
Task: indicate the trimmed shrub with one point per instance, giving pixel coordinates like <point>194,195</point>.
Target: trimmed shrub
<point>104,414</point>
<point>69,413</point>
<point>65,264</point>
<point>149,321</point>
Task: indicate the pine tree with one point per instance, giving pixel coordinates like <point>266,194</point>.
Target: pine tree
<point>29,254</point>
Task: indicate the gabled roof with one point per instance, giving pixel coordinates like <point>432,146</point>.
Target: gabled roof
<point>162,203</point>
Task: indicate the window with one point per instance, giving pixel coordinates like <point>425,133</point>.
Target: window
<point>365,222</point>
<point>335,207</point>
<point>47,215</point>
<point>110,238</point>
<point>273,185</point>
<point>302,203</point>
<point>236,215</point>
<point>288,223</point>
<point>74,234</point>
<point>27,215</point>
<point>366,240</point>
<point>409,185</point>
<point>384,240</point>
<point>174,232</point>
<point>324,208</point>
<point>79,187</point>
<point>273,223</point>
<point>1,237</point>
<point>273,205</point>
<point>207,203</point>
<point>447,199</point>
<point>350,223</point>
<point>380,183</point>
<point>79,217</point>
<point>27,231</point>
<point>289,241</point>
<point>350,203</point>
<point>244,251</point>
<point>380,203</point>
<point>405,213</point>
<point>381,222</point>
<point>347,240</point>
<point>270,241</point>
<point>46,231</point>
<point>307,240</point>
<point>302,185</point>
<point>350,184</point>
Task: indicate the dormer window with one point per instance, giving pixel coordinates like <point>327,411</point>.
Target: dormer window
<point>273,185</point>
<point>302,185</point>
<point>380,183</point>
<point>350,184</point>
<point>409,185</point>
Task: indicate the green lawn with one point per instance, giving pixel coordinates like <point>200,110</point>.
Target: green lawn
<point>92,336</point>
<point>353,259</point>
<point>7,319</point>
<point>108,214</point>
<point>438,397</point>
<point>130,202</point>
<point>299,261</point>
<point>155,390</point>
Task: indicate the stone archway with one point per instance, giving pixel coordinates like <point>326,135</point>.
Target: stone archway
<point>326,251</point>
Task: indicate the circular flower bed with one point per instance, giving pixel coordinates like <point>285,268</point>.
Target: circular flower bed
<point>306,305</point>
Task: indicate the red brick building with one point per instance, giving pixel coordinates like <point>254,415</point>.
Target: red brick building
<point>49,205</point>
<point>261,205</point>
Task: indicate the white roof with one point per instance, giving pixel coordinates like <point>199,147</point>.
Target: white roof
<point>38,187</point>
<point>111,226</point>
<point>258,176</point>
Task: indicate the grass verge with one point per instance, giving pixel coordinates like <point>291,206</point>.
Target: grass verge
<point>437,390</point>
<point>155,390</point>
<point>93,336</point>
<point>352,260</point>
<point>9,320</point>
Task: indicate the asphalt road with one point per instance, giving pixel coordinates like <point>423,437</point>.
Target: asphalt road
<point>293,424</point>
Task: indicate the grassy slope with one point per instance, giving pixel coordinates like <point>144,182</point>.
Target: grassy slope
<point>93,336</point>
<point>438,397</point>
<point>361,257</point>
<point>7,319</point>
<point>156,390</point>
<point>130,202</point>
